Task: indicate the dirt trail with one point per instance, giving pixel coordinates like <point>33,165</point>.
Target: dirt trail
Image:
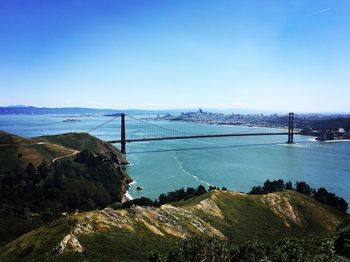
<point>70,155</point>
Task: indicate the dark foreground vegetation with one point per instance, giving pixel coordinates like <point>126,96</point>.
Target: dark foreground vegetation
<point>334,247</point>
<point>321,194</point>
<point>33,196</point>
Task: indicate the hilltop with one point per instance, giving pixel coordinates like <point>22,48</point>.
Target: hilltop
<point>84,141</point>
<point>110,234</point>
<point>17,150</point>
<point>32,110</point>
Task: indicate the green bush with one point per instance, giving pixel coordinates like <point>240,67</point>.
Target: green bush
<point>342,242</point>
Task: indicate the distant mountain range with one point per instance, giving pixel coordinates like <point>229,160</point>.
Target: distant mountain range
<point>31,110</point>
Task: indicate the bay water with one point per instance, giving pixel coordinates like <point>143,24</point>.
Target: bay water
<point>237,163</point>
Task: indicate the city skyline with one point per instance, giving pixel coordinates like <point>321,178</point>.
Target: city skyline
<point>285,56</point>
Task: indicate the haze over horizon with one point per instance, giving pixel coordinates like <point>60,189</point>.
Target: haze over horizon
<point>263,55</point>
<point>189,109</point>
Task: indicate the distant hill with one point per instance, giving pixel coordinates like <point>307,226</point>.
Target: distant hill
<point>84,141</point>
<point>16,150</point>
<point>19,150</point>
<point>131,234</point>
<point>324,124</point>
<point>31,110</point>
<point>317,122</point>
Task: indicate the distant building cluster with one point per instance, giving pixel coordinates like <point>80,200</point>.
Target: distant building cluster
<point>230,119</point>
<point>323,127</point>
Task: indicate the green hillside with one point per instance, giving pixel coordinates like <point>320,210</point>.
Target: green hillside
<point>84,141</point>
<point>6,138</point>
<point>264,217</point>
<point>131,234</point>
<point>16,150</point>
<point>40,178</point>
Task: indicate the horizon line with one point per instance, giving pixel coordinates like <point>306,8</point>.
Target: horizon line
<point>180,109</point>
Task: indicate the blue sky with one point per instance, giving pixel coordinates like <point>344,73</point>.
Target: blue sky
<point>269,55</point>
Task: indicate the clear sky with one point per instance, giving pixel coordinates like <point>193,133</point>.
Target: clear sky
<point>271,55</point>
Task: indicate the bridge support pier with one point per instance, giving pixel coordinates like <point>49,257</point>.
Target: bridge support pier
<point>291,128</point>
<point>122,134</point>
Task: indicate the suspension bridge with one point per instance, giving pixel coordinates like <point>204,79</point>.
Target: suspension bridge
<point>175,134</point>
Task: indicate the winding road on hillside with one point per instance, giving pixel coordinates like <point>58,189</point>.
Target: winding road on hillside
<point>70,155</point>
<point>42,143</point>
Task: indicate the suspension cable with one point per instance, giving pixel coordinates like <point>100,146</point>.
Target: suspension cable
<point>103,124</point>
<point>161,127</point>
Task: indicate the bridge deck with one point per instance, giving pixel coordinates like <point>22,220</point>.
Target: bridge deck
<point>197,136</point>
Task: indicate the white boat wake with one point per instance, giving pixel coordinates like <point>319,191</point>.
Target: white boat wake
<point>188,173</point>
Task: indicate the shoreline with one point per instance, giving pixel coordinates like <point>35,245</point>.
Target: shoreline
<point>127,196</point>
<point>234,125</point>
<point>329,141</point>
<point>336,140</point>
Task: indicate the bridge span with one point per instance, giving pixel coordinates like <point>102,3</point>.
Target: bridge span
<point>290,134</point>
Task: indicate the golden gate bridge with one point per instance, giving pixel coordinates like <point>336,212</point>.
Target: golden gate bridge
<point>175,134</point>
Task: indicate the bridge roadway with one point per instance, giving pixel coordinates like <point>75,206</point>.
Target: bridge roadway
<point>197,136</point>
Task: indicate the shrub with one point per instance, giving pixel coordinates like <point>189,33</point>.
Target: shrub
<point>342,242</point>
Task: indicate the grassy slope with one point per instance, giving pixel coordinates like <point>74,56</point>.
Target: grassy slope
<point>123,245</point>
<point>81,141</point>
<point>125,237</point>
<point>25,151</point>
<point>43,238</point>
<point>267,217</point>
<point>57,145</point>
<point>6,138</point>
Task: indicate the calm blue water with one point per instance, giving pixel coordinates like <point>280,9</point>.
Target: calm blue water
<point>236,163</point>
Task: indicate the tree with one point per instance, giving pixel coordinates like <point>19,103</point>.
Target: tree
<point>256,190</point>
<point>30,170</point>
<point>322,195</point>
<point>280,185</point>
<point>163,199</point>
<point>201,190</point>
<point>143,201</point>
<point>190,191</point>
<point>289,185</point>
<point>84,157</point>
<point>303,188</point>
<point>342,205</point>
<point>43,170</point>
<point>181,194</point>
